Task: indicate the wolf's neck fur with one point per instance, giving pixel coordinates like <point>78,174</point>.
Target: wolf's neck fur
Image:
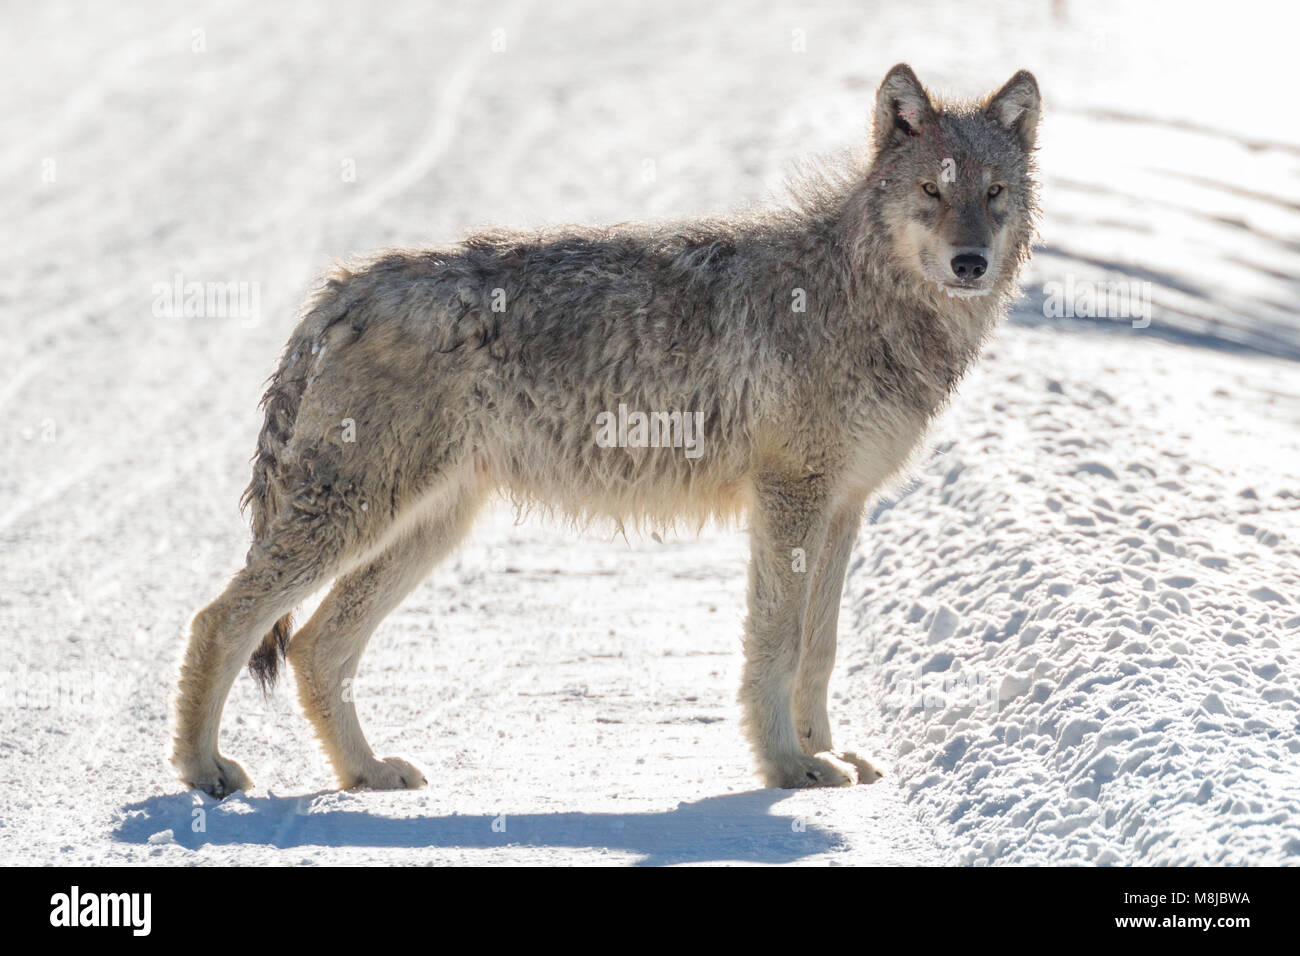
<point>906,335</point>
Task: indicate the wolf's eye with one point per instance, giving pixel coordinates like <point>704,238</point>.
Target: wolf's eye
<point>995,190</point>
<point>930,189</point>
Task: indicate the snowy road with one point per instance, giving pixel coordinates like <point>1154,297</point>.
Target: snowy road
<point>1073,638</point>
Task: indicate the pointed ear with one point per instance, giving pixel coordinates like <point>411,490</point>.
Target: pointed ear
<point>1016,107</point>
<point>902,107</point>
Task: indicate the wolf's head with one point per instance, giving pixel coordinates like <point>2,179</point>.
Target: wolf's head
<point>954,182</point>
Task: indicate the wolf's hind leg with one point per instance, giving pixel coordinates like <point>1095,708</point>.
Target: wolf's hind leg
<point>222,636</point>
<point>817,659</point>
<point>326,651</point>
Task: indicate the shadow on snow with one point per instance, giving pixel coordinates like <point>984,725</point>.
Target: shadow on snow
<point>735,827</point>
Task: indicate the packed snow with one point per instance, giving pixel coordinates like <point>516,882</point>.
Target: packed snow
<point>1070,637</point>
<point>1080,621</point>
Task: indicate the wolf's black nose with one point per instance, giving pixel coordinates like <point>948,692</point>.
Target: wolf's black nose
<point>969,266</point>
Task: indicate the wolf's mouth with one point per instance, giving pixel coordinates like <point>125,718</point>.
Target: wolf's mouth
<point>959,290</point>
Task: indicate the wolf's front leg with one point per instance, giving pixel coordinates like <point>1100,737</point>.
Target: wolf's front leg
<point>818,657</point>
<point>788,529</point>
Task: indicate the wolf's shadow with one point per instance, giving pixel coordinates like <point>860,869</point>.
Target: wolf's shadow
<point>734,827</point>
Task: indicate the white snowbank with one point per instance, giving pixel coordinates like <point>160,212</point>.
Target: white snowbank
<point>1080,622</point>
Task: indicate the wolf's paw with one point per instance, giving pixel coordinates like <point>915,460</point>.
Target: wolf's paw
<point>800,770</point>
<point>215,776</point>
<point>866,770</point>
<point>391,773</point>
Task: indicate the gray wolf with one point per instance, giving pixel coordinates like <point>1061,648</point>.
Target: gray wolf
<point>812,343</point>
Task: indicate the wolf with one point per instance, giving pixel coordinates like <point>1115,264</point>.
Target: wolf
<point>813,342</point>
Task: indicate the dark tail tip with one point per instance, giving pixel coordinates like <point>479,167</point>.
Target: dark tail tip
<point>264,665</point>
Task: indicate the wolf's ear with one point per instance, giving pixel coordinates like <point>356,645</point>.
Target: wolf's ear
<point>1016,106</point>
<point>902,107</point>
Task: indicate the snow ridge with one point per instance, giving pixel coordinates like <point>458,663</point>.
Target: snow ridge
<point>1080,623</point>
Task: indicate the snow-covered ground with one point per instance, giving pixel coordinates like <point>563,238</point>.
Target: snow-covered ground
<point>1072,638</point>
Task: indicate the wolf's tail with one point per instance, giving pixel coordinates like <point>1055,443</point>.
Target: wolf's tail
<point>266,494</point>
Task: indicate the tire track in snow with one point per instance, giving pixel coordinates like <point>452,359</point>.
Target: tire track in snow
<point>449,104</point>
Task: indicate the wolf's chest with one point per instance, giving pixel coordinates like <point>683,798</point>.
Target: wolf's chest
<point>881,447</point>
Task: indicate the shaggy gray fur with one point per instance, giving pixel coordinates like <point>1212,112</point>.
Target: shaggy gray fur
<point>485,365</point>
